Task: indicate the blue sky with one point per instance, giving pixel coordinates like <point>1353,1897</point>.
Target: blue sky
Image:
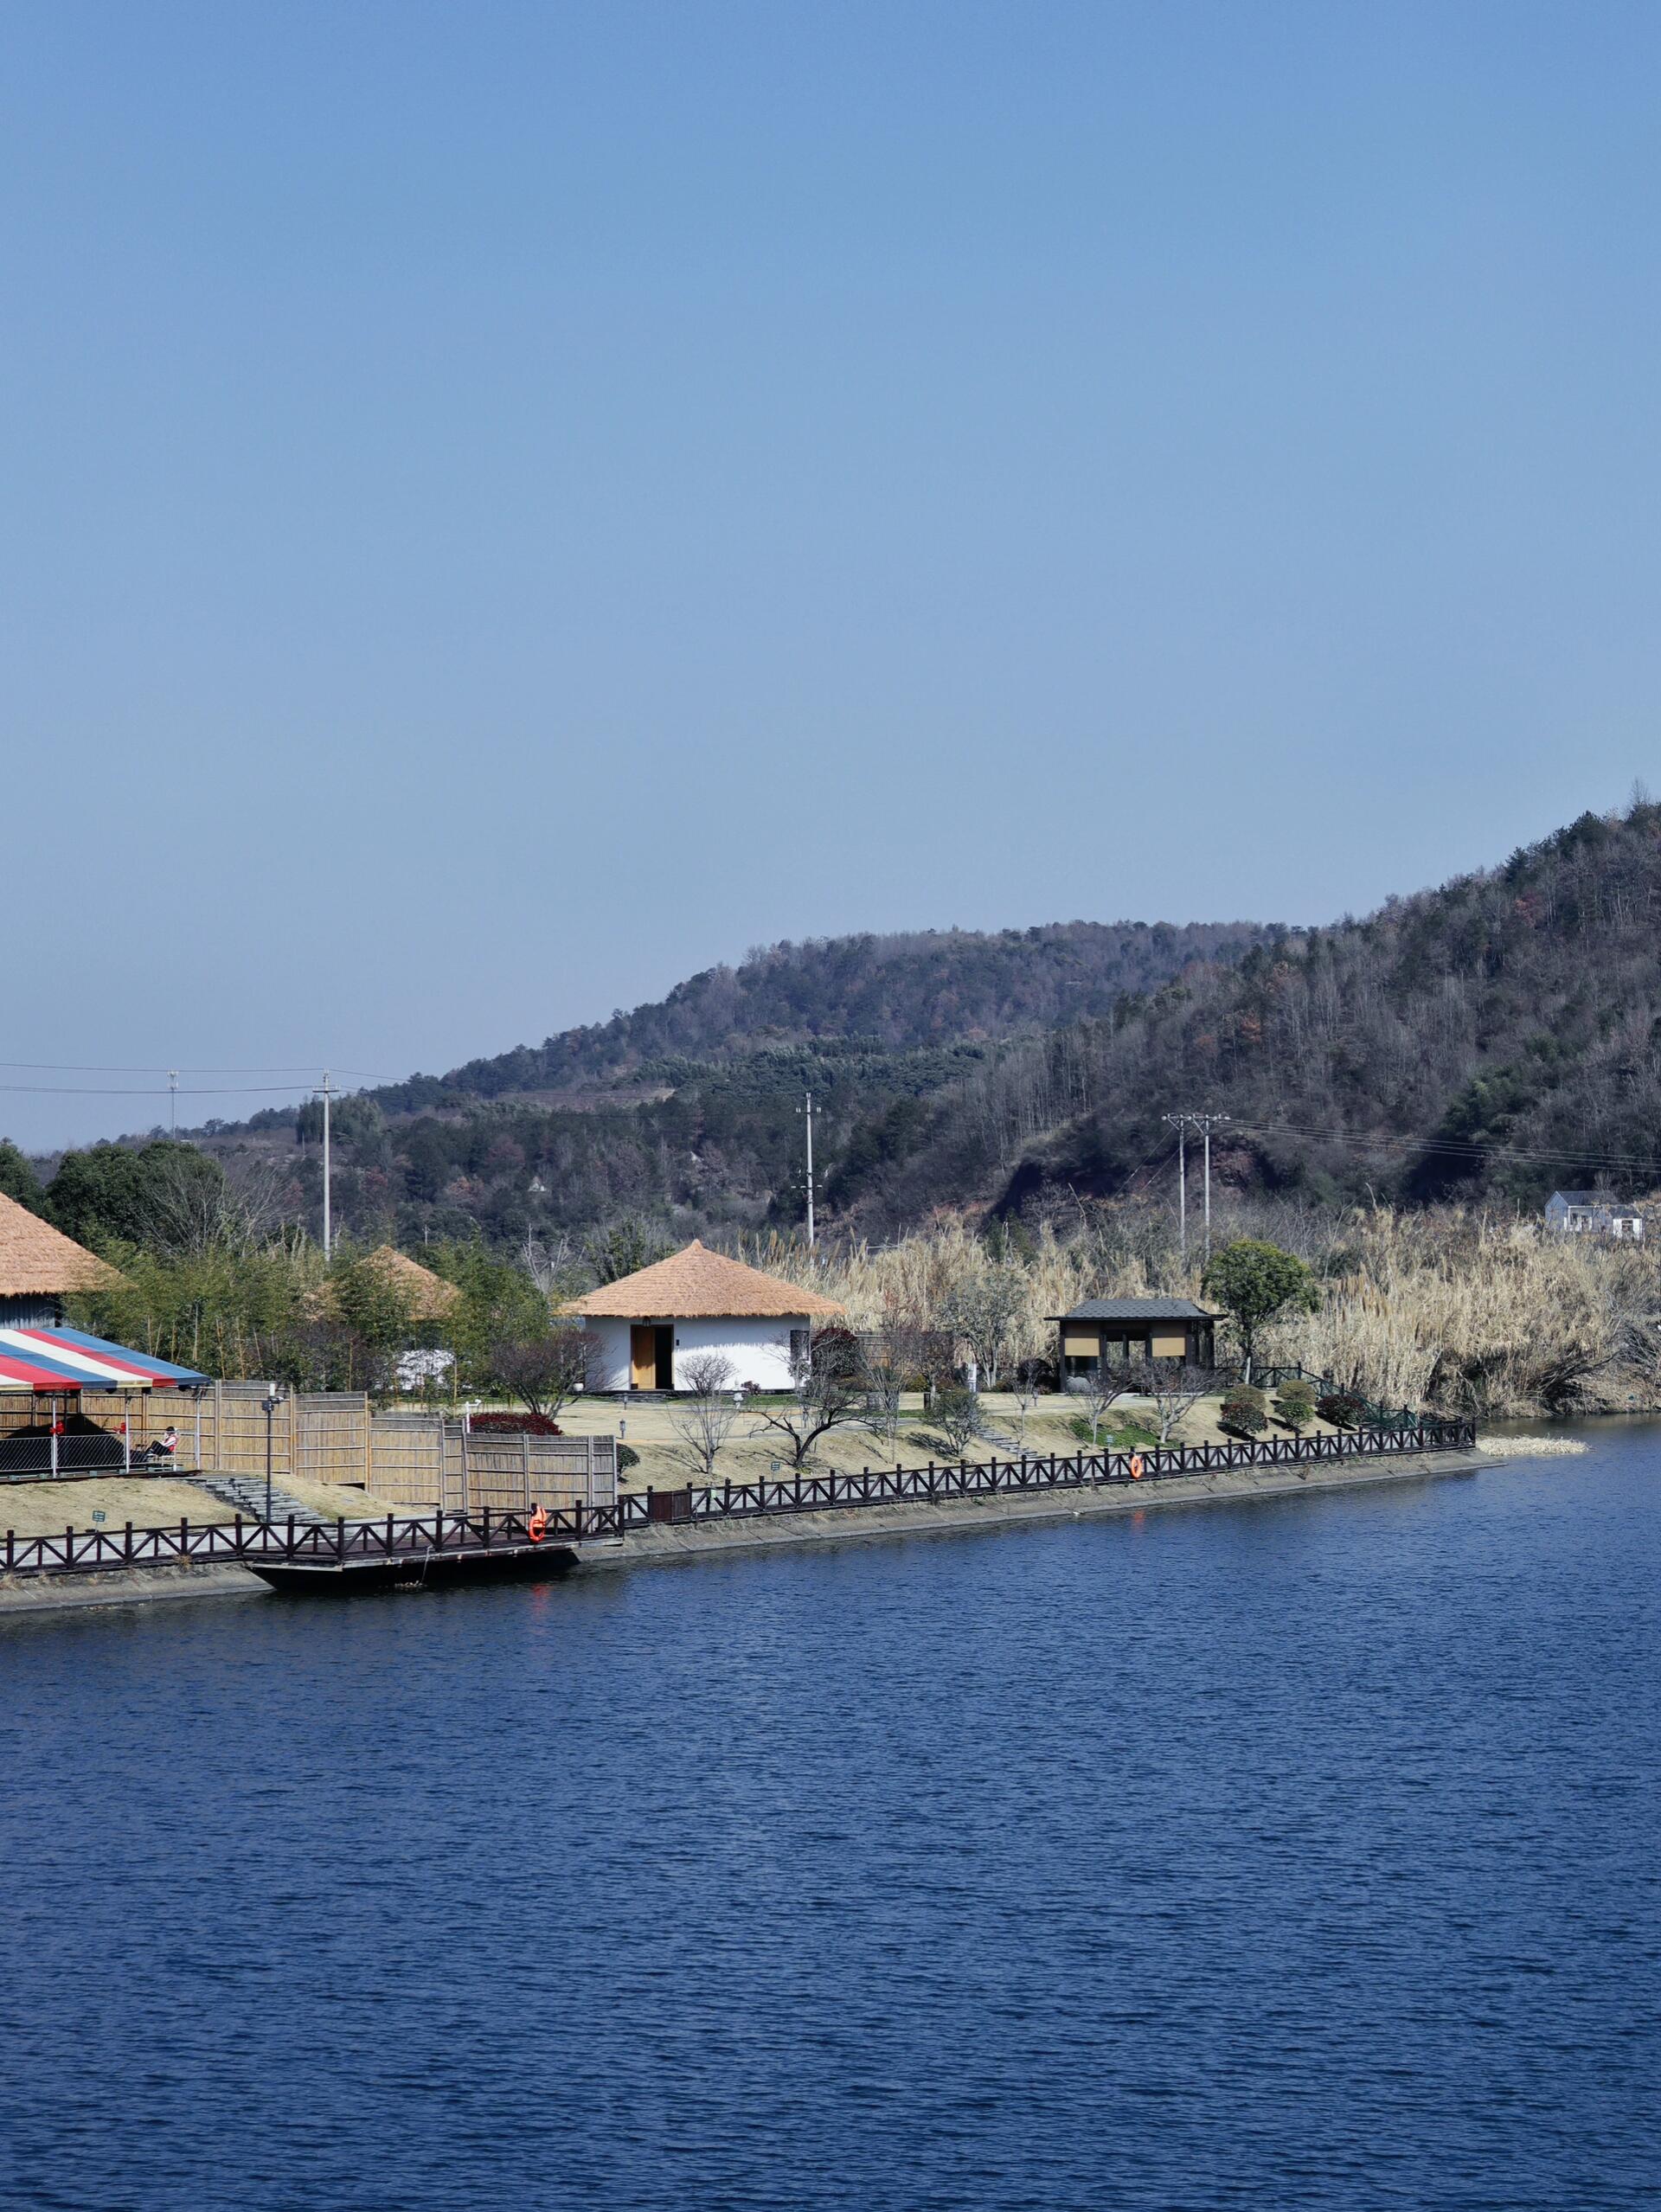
<point>502,507</point>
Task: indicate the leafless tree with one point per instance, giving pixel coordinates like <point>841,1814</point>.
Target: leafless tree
<point>984,1312</point>
<point>554,1265</point>
<point>195,1208</point>
<point>1101,1388</point>
<point>1123,1237</point>
<point>545,1371</point>
<point>957,1410</point>
<point>893,1356</point>
<point>703,1418</point>
<point>1175,1389</point>
<point>1025,1390</point>
<point>828,1396</point>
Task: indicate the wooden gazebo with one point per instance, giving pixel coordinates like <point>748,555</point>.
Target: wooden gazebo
<point>1123,1331</point>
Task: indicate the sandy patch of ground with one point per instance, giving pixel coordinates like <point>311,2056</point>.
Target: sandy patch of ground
<point>158,1501</point>
<point>149,1502</point>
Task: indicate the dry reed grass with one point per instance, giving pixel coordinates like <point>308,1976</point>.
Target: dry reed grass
<point>1464,1311</point>
<point>1483,1315</point>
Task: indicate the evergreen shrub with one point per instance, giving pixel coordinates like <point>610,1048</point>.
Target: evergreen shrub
<point>1294,1404</point>
<point>1244,1412</point>
<point>1342,1408</point>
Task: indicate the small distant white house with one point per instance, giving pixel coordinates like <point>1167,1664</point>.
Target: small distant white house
<point>647,1325</point>
<point>421,1370</point>
<point>1592,1213</point>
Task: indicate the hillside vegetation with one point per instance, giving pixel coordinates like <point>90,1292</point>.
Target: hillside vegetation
<point>688,1108</point>
<point>1402,1090</point>
<point>899,992</point>
<point>1494,1037</point>
<point>1497,1036</point>
<point>1486,1040</point>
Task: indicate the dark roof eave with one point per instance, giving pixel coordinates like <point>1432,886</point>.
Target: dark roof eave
<point>1167,1309</point>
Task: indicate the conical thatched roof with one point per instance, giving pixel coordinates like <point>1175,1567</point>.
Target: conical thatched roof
<point>428,1296</point>
<point>35,1258</point>
<point>698,1284</point>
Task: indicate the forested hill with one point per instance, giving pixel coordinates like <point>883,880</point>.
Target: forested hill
<point>688,1109</point>
<point>923,989</point>
<point>1499,1035</point>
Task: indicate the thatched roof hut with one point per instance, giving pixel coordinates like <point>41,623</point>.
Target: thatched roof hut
<point>40,1267</point>
<point>650,1326</point>
<point>428,1297</point>
<point>696,1284</point>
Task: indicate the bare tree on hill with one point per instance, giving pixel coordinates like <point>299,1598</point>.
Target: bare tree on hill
<point>1101,1388</point>
<point>702,1420</point>
<point>828,1396</point>
<point>545,1372</point>
<point>1175,1389</point>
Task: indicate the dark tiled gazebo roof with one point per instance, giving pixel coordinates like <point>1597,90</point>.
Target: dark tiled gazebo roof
<point>1137,1309</point>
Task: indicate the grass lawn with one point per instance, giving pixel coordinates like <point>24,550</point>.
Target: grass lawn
<point>158,1502</point>
<point>752,1451</point>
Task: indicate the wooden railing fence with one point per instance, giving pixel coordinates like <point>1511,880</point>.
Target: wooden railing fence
<point>484,1529</point>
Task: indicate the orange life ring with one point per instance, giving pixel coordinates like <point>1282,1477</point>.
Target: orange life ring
<point>536,1527</point>
<point>1136,1466</point>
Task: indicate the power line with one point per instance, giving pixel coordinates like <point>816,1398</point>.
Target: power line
<point>88,1067</point>
<point>134,1091</point>
<point>1168,1153</point>
<point>1452,1147</point>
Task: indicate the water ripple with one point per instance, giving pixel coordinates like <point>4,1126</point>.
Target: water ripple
<point>1291,1856</point>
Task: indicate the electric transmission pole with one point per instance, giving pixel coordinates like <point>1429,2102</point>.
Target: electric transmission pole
<point>173,1100</point>
<point>808,1111</point>
<point>328,1221</point>
<point>1205,1122</point>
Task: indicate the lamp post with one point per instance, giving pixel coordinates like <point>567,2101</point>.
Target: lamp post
<point>271,1400</point>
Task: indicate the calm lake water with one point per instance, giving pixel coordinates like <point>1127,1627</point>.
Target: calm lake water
<point>1286,1855</point>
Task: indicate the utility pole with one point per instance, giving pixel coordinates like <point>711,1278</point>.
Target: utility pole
<point>328,1218</point>
<point>1205,1122</point>
<point>808,1110</point>
<point>173,1101</point>
<point>1179,1122</point>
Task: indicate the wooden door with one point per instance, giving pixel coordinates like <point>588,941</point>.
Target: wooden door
<point>643,1357</point>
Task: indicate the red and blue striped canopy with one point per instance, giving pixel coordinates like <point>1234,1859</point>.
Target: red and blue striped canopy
<point>68,1359</point>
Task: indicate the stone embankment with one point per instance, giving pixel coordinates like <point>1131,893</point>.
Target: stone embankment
<point>708,1540</point>
<point>658,1544</point>
<point>25,1594</point>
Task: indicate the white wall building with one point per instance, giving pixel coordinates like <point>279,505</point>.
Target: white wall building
<point>646,1326</point>
<point>1591,1213</point>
